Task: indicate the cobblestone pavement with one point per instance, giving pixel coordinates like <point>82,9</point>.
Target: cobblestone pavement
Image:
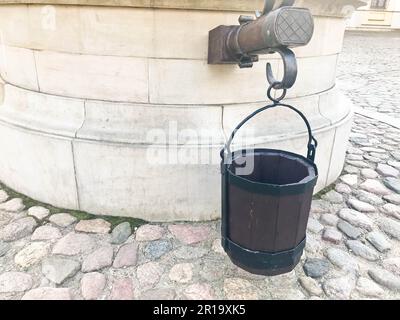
<point>352,252</point>
<point>368,71</point>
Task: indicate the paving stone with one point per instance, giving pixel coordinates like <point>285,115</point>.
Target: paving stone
<point>355,157</point>
<point>73,244</point>
<point>339,288</point>
<point>312,245</point>
<point>343,188</point>
<point>333,197</point>
<point>92,285</point>
<point>48,293</point>
<point>361,250</point>
<point>158,294</point>
<point>239,289</point>
<point>311,286</point>
<point>32,254</point>
<point>121,233</point>
<point>396,155</point>
<point>390,227</point>
<point>379,241</point>
<point>369,173</point>
<point>62,219</point>
<point>356,218</point>
<point>393,198</point>
<point>329,219</point>
<point>99,259</point>
<point>4,248</point>
<point>392,264</point>
<point>314,226</point>
<point>182,273</point>
<point>385,278</point>
<point>375,187</point>
<point>361,206</point>
<point>46,233</point>
<point>38,212</point>
<point>122,289</point>
<point>393,184</point>
<point>3,196</point>
<point>126,256</point>
<point>189,252</point>
<point>15,282</point>
<point>18,229</point>
<point>212,270</point>
<point>58,269</point>
<point>316,268</point>
<point>349,230</point>
<point>387,171</point>
<point>149,232</point>
<point>395,164</point>
<point>149,273</point>
<point>93,226</point>
<point>351,170</point>
<point>156,249</point>
<point>190,234</point>
<point>392,209</point>
<point>368,197</point>
<point>369,288</point>
<point>354,150</point>
<point>320,206</point>
<point>342,259</point>
<point>13,205</point>
<point>358,164</point>
<point>332,235</point>
<point>350,179</point>
<point>199,291</point>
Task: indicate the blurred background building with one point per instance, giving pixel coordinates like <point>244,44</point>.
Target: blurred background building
<point>377,15</point>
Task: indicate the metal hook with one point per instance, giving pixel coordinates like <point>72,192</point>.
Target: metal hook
<point>289,70</point>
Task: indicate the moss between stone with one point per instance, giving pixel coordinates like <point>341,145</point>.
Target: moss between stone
<point>319,195</point>
<point>80,215</point>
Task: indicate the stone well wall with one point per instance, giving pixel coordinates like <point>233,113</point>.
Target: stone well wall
<point>84,83</point>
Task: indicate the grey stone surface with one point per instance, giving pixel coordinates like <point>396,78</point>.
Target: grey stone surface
<point>349,230</point>
<point>333,197</point>
<point>387,171</point>
<point>18,229</point>
<point>99,259</point>
<point>62,219</point>
<point>390,227</point>
<point>356,218</point>
<point>314,226</point>
<point>316,268</point>
<point>368,197</point>
<point>385,278</point>
<point>332,235</point>
<point>379,241</point>
<point>4,247</point>
<point>58,269</point>
<point>157,249</point>
<point>393,198</point>
<point>342,259</point>
<point>392,183</point>
<point>121,233</point>
<point>360,249</point>
<point>361,206</point>
<point>339,288</point>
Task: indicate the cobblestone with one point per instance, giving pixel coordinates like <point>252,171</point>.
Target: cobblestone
<point>42,255</point>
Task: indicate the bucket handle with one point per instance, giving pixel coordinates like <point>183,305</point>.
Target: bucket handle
<point>312,142</point>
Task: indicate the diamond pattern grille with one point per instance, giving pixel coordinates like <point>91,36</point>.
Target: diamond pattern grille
<point>294,27</point>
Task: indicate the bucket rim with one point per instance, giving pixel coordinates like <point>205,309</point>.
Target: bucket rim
<point>270,188</point>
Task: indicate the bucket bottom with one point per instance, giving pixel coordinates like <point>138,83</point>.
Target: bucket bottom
<point>263,263</point>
